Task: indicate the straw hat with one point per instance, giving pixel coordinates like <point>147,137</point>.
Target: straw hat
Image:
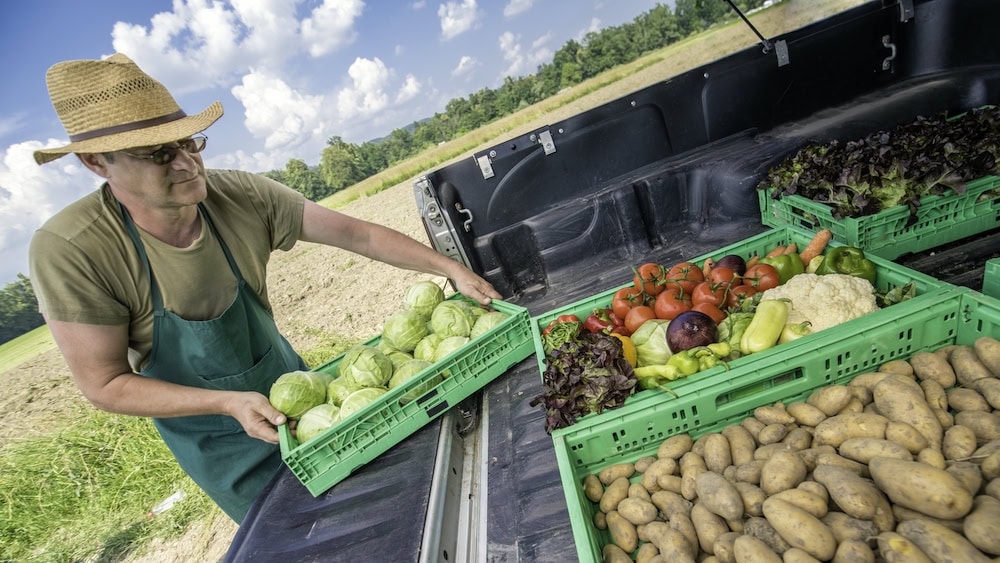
<point>111,104</point>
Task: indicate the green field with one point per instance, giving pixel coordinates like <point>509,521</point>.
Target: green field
<point>25,347</point>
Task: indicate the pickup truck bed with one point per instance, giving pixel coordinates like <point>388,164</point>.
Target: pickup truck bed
<point>664,174</point>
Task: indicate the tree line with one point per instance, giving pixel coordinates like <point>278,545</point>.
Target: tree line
<point>18,309</point>
<point>344,164</point>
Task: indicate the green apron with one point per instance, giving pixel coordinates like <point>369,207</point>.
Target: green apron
<point>240,350</point>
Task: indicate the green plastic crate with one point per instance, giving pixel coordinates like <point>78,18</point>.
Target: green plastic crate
<point>991,278</point>
<point>332,456</point>
<point>889,274</point>
<point>958,316</point>
<point>940,219</point>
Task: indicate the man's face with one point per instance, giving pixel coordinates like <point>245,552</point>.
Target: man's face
<point>161,176</point>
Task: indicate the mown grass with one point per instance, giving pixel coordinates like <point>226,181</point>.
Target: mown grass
<point>25,347</point>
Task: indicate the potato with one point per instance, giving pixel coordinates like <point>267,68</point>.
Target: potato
<point>989,388</point>
<point>643,462</point>
<point>809,502</point>
<point>944,418</point>
<point>968,474</point>
<point>798,439</point>
<point>863,450</point>
<point>636,490</point>
<point>660,467</point>
<point>906,436</point>
<point>593,488</point>
<point>990,467</point>
<point>985,425</point>
<point>741,444</point>
<point>967,366</point>
<point>670,503</point>
<point>897,399</point>
<point>921,487</point>
<point>646,553</point>
<point>672,544</point>
<point>796,555</point>
<point>750,472</point>
<point>708,525</point>
<point>613,494</point>
<point>748,549</point>
<point>683,524</point>
<point>784,470</point>
<point>774,414</point>
<point>637,511</point>
<point>863,394</point>
<point>674,447</point>
<point>809,455</point>
<point>600,520</point>
<point>836,429</point>
<point>717,454</point>
<point>854,551</point>
<point>900,367</point>
<point>903,514</point>
<point>758,527</point>
<point>927,365</point>
<point>753,498</point>
<point>723,547</point>
<point>612,473</point>
<point>805,414</point>
<point>932,457</point>
<point>959,442</point>
<point>854,496</point>
<point>689,481</point>
<point>853,406</point>
<point>611,553</point>
<point>894,548</point>
<point>982,525</point>
<point>987,350</point>
<point>867,380</point>
<point>669,483</point>
<point>830,399</point>
<point>846,528</point>
<point>718,495</point>
<point>838,460</point>
<point>623,532</point>
<point>753,426</point>
<point>800,529</point>
<point>934,394</point>
<point>993,488</point>
<point>962,399</point>
<point>816,488</point>
<point>772,434</point>
<point>940,543</point>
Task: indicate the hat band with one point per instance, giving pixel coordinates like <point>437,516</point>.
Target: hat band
<point>128,126</point>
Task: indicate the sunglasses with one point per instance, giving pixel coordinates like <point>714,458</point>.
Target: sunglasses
<point>166,155</point>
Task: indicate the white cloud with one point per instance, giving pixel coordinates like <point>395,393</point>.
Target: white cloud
<point>595,26</point>
<point>331,26</point>
<point>274,111</point>
<point>30,194</point>
<point>367,93</point>
<point>418,5</point>
<point>398,50</point>
<point>466,65</point>
<point>457,18</point>
<point>411,87</point>
<point>515,7</point>
<point>519,61</point>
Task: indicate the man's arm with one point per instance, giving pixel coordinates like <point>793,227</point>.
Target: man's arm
<point>97,356</point>
<point>325,226</point>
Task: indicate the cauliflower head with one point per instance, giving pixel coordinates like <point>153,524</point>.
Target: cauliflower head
<point>825,301</point>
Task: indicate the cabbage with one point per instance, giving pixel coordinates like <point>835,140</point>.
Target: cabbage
<point>451,319</point>
<point>473,310</point>
<point>365,366</point>
<point>338,389</point>
<point>315,421</point>
<point>398,358</point>
<point>408,371</point>
<point>384,346</point>
<point>422,297</point>
<point>295,392</point>
<point>404,329</point>
<point>360,399</point>
<point>650,341</point>
<point>425,348</point>
<point>487,322</point>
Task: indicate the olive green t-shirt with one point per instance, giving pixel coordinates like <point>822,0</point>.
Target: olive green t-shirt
<point>85,268</point>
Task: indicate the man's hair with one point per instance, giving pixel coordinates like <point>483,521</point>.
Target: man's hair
<point>109,157</point>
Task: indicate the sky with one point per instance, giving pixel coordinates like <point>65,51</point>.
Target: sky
<point>290,74</point>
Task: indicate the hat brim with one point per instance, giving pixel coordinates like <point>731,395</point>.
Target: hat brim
<point>147,137</point>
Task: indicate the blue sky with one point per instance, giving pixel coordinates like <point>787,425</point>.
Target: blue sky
<point>289,73</point>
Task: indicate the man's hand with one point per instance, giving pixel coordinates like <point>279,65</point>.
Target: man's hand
<point>255,413</point>
<point>469,284</point>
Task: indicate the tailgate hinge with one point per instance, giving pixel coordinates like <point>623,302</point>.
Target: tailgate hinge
<point>486,165</point>
<point>545,139</point>
<point>905,10</point>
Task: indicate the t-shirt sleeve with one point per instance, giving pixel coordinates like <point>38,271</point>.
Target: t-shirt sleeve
<point>278,206</point>
<point>67,285</point>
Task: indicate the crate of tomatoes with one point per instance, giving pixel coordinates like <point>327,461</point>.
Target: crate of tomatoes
<point>675,328</point>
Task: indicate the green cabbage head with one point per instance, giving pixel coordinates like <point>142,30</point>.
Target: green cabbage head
<point>486,323</point>
<point>360,399</point>
<point>425,348</point>
<point>398,358</point>
<point>404,329</point>
<point>365,366</point>
<point>296,392</point>
<point>315,421</point>
<point>422,297</point>
<point>650,341</point>
<point>338,389</point>
<point>408,371</point>
<point>451,319</point>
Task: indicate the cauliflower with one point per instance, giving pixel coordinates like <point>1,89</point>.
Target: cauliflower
<point>826,300</point>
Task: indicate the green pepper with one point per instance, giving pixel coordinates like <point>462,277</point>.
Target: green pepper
<point>649,376</point>
<point>685,361</point>
<point>787,265</point>
<point>847,260</point>
<point>765,327</point>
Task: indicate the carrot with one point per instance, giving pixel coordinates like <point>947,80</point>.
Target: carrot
<point>752,261</point>
<point>706,268</point>
<point>778,251</point>
<point>791,249</point>
<point>816,246</point>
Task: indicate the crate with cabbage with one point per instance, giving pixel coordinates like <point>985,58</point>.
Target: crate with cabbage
<point>422,333</point>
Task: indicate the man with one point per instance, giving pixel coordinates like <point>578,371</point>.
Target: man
<point>154,286</point>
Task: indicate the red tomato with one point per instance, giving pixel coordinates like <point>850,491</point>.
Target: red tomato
<point>712,310</point>
<point>624,299</point>
<point>638,315</point>
<point>737,293</point>
<point>671,303</point>
<point>706,292</point>
<point>761,277</point>
<point>721,275</point>
<point>649,278</point>
<point>684,275</point>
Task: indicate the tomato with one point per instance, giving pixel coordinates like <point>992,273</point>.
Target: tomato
<point>670,303</point>
<point>712,310</point>
<point>638,315</point>
<point>649,278</point>
<point>761,277</point>
<point>684,275</point>
<point>706,292</point>
<point>721,275</point>
<point>624,299</point>
<point>737,293</point>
